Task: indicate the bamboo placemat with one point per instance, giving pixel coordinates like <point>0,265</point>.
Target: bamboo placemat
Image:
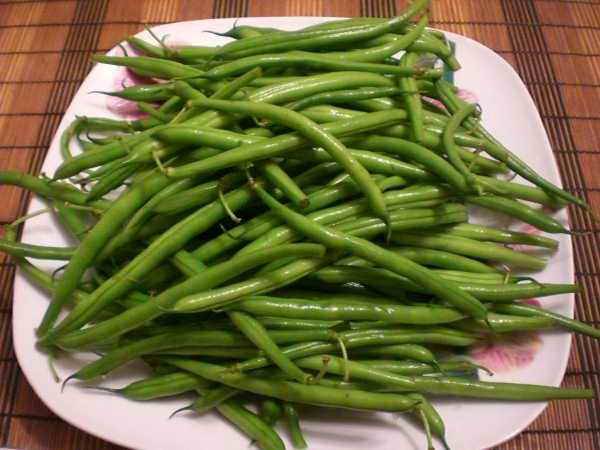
<point>553,44</point>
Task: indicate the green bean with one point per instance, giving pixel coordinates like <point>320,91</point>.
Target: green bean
<point>49,189</point>
<point>518,210</point>
<point>199,195</point>
<point>450,145</point>
<point>94,241</point>
<point>503,293</point>
<point>282,181</point>
<point>296,392</point>
<point>284,323</point>
<point>214,352</point>
<point>143,92</point>
<point>411,97</point>
<point>335,310</point>
<point>256,333</point>
<point>443,260</point>
<point>265,436</point>
<point>160,386</point>
<point>111,181</point>
<point>212,398</point>
<point>73,220</point>
<point>373,162</point>
<point>149,49</point>
<point>342,96</point>
<point>318,136</point>
<point>414,152</point>
<point>101,155</point>
<point>271,411</point>
<point>501,323</point>
<point>483,233</point>
<point>558,319</point>
<point>154,113</point>
<point>409,368</point>
<point>404,351</point>
<point>148,66</point>
<point>212,276</point>
<point>365,249</point>
<point>447,385</point>
<point>470,247</point>
<point>22,250</point>
<point>520,191</point>
<point>293,423</point>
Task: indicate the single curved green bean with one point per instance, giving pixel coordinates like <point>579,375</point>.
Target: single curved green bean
<point>293,422</point>
<point>160,386</point>
<point>518,210</point>
<point>450,145</point>
<point>256,333</point>
<point>21,250</point>
<point>483,233</point>
<point>153,67</point>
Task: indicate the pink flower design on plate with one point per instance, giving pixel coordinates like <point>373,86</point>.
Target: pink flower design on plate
<point>502,354</point>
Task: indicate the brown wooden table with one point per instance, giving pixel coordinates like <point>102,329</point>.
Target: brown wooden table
<point>554,45</point>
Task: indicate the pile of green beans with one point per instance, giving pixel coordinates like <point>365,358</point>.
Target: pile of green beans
<point>295,226</point>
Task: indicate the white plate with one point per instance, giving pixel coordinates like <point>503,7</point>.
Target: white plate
<point>509,113</point>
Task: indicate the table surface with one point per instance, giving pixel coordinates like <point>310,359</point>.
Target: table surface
<point>554,45</point>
